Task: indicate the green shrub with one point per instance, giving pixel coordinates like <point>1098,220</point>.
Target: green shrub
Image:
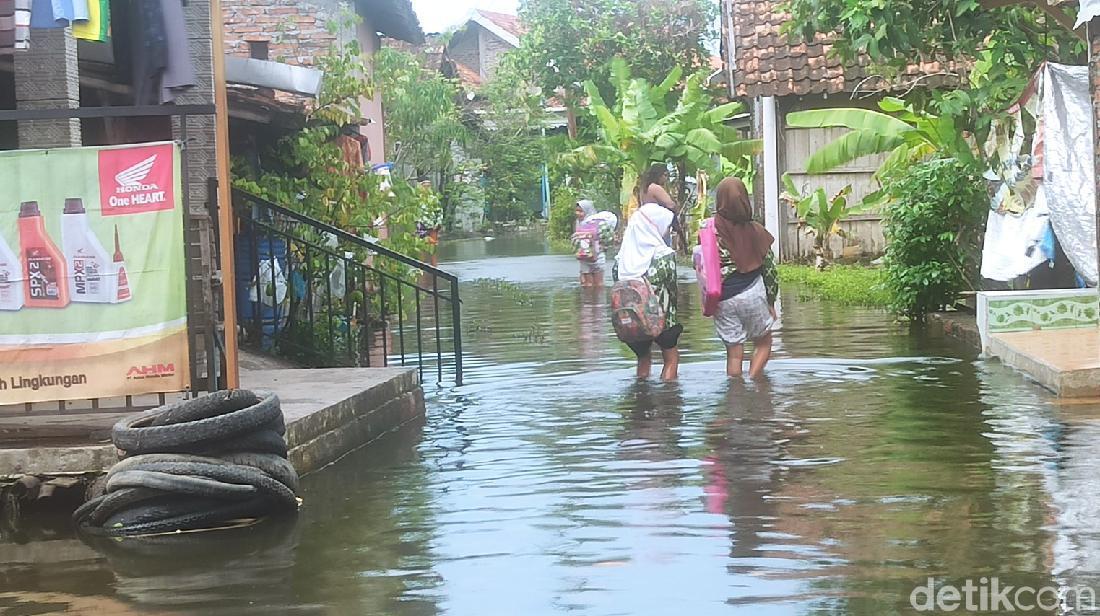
<point>562,214</point>
<point>932,226</point>
<point>563,205</point>
<point>851,285</point>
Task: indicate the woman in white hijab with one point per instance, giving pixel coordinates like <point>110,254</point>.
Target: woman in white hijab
<point>645,255</point>
<point>592,233</point>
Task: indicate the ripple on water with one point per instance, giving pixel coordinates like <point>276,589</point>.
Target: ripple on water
<point>552,481</point>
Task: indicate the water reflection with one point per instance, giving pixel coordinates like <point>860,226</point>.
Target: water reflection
<point>592,319</point>
<point>868,461</point>
<point>653,418</point>
<point>240,571</point>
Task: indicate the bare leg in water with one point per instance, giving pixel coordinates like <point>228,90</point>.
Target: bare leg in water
<point>735,356</point>
<point>645,365</point>
<point>671,370</point>
<point>761,353</point>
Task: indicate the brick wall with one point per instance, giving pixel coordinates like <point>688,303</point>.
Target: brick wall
<point>464,49</point>
<point>492,48</point>
<point>296,32</point>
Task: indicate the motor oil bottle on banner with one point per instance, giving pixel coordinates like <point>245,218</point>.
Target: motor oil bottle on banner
<point>88,262</point>
<point>11,278</point>
<point>121,292</point>
<point>45,275</point>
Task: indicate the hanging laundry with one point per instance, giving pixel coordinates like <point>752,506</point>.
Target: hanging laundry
<point>162,65</point>
<point>80,11</point>
<point>98,26</point>
<point>51,13</point>
<point>15,25</point>
<point>179,71</point>
<point>1013,242</point>
<point>149,48</point>
<point>1088,10</point>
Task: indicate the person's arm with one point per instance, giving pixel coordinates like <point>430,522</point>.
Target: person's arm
<point>678,229</point>
<point>660,196</point>
<point>771,278</point>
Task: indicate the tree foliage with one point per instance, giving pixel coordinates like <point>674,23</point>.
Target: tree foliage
<point>422,118</point>
<point>907,134</point>
<point>308,172</point>
<point>996,44</point>
<point>570,42</point>
<point>641,127</point>
<point>932,231</point>
<point>509,142</point>
<point>821,214</point>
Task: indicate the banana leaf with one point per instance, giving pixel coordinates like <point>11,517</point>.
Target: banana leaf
<point>746,147</point>
<point>855,119</point>
<point>722,113</point>
<point>850,147</point>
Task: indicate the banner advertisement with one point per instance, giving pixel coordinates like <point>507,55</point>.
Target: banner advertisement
<point>93,301</point>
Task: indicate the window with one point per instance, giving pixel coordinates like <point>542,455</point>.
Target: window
<point>258,50</point>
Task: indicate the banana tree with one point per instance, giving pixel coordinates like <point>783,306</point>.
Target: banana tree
<point>821,214</point>
<point>908,135</point>
<point>640,130</point>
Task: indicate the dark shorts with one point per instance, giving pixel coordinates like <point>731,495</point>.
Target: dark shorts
<point>667,340</point>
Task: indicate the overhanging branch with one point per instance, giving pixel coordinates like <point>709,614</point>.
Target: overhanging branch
<point>1053,11</point>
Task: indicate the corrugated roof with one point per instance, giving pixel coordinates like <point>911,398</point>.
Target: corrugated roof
<point>394,18</point>
<point>767,64</point>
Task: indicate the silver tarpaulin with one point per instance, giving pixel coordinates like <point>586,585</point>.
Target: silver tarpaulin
<point>1069,171</point>
<point>1089,10</point>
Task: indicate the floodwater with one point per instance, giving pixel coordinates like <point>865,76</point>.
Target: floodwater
<point>553,482</point>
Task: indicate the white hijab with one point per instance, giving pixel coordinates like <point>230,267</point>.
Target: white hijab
<point>644,241</point>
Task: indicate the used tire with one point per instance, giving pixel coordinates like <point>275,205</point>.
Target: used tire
<point>191,521</point>
<point>278,493</point>
<point>241,412</point>
<point>262,441</point>
<point>273,466</point>
<point>95,511</point>
<point>276,467</point>
<point>199,487</point>
<point>164,508</point>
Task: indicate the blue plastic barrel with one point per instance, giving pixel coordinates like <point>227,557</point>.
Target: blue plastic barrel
<point>250,253</point>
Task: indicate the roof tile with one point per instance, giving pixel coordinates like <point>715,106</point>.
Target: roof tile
<point>766,64</point>
<point>508,23</point>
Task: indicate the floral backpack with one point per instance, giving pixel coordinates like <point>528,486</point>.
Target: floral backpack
<point>636,312</point>
<point>587,240</point>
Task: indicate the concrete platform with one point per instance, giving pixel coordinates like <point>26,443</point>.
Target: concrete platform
<point>1066,361</point>
<point>332,412</point>
<point>329,413</point>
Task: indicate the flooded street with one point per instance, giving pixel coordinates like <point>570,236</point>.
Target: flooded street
<point>552,482</point>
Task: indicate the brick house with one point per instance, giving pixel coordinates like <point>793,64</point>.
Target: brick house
<point>296,33</point>
<point>474,51</point>
<point>776,77</point>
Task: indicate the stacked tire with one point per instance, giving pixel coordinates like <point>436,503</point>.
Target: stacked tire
<point>202,463</point>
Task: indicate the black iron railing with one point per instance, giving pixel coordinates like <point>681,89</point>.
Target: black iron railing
<point>323,297</point>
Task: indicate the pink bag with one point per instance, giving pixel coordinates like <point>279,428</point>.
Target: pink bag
<point>708,267</point>
<point>587,242</point>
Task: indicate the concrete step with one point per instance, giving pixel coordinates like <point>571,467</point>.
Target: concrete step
<point>329,413</point>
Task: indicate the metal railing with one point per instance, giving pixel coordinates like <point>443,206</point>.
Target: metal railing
<point>323,297</point>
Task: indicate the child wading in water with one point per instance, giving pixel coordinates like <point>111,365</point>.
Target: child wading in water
<point>749,281</point>
<point>592,233</point>
<point>646,256</point>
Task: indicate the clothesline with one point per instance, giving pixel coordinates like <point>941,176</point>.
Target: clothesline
<point>151,40</point>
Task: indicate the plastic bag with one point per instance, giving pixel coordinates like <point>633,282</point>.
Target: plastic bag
<point>273,284</point>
